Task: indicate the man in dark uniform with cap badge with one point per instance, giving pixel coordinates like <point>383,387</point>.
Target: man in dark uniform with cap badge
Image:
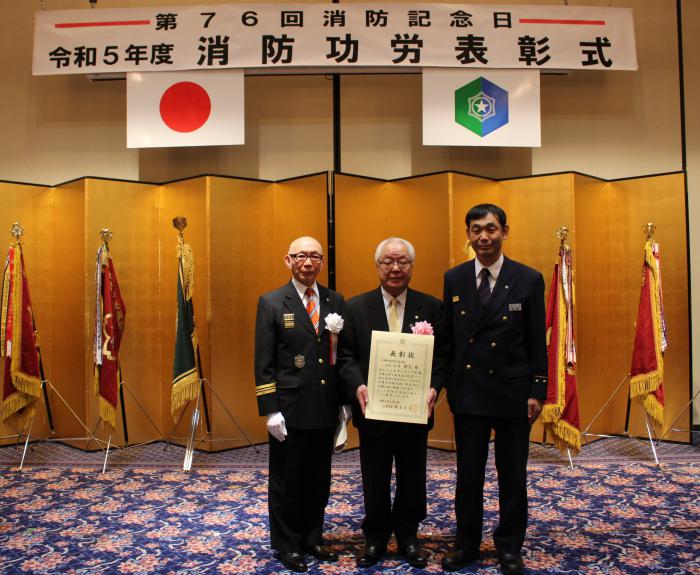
<point>297,389</point>
<point>495,331</point>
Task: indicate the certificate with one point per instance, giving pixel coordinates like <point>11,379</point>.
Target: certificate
<point>398,381</point>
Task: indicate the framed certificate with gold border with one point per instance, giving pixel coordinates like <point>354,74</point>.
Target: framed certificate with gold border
<point>398,381</point>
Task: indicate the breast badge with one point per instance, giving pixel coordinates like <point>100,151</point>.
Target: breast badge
<point>288,319</point>
<point>299,361</point>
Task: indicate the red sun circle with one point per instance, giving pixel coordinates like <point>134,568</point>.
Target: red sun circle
<point>185,107</point>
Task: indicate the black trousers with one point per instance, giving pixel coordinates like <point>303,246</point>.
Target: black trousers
<point>299,487</point>
<point>472,433</point>
<point>406,448</point>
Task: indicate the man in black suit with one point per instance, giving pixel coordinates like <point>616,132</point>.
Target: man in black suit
<point>298,390</point>
<point>495,330</point>
<point>390,307</point>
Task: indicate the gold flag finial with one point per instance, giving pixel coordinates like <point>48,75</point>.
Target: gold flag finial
<point>649,229</point>
<point>180,223</point>
<point>17,231</point>
<point>106,236</point>
<point>562,234</point>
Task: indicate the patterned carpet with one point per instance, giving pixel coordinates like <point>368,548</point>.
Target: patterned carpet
<point>614,513</point>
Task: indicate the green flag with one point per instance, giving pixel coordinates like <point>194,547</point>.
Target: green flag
<point>185,372</point>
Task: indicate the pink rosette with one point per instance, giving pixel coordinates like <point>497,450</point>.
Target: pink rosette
<point>422,328</point>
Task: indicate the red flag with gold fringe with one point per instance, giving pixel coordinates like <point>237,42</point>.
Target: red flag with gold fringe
<point>109,328</point>
<point>650,343</point>
<point>560,414</point>
<point>21,384</point>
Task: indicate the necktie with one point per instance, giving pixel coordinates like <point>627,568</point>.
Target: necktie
<point>484,290</point>
<point>311,308</point>
<point>394,320</point>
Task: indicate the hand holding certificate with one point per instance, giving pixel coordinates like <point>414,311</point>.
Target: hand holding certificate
<point>398,381</point>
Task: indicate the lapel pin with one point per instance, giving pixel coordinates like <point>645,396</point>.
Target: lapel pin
<point>455,298</point>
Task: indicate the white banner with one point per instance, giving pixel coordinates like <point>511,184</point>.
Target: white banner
<point>481,108</point>
<point>184,109</point>
<point>277,35</point>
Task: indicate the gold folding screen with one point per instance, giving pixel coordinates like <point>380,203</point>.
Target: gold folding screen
<point>605,221</point>
<point>240,229</point>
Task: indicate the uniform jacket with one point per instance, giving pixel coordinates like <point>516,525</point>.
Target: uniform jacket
<point>498,354</point>
<point>366,312</point>
<point>293,372</point>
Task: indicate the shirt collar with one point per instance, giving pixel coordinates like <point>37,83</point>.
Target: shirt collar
<point>388,297</point>
<point>301,288</point>
<point>494,268</point>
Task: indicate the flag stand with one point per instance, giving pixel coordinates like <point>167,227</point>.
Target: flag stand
<point>89,438</point>
<point>195,420</point>
<point>568,449</point>
<point>671,428</point>
<point>122,386</point>
<point>649,428</point>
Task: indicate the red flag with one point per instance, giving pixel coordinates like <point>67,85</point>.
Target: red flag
<point>109,327</point>
<point>560,412</point>
<point>647,371</point>
<point>18,341</point>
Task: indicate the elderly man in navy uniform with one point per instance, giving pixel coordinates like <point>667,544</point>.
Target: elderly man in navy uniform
<point>297,389</point>
<point>495,329</point>
<point>392,306</point>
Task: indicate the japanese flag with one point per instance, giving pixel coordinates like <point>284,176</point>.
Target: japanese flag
<point>200,108</point>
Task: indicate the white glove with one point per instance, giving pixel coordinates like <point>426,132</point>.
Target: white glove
<point>276,426</point>
<point>345,413</point>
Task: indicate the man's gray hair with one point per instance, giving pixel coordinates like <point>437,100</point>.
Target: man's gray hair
<point>384,243</point>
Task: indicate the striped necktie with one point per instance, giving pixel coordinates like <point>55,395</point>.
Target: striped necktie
<point>484,290</point>
<point>312,309</point>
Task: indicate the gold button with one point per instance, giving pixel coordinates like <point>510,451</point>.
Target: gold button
<point>463,312</point>
<point>320,360</point>
<point>505,318</point>
<point>471,340</point>
<point>469,366</point>
<point>318,339</point>
<point>490,371</point>
<point>493,344</point>
<point>323,382</point>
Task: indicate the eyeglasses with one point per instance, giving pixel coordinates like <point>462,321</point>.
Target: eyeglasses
<point>301,257</point>
<point>388,264</point>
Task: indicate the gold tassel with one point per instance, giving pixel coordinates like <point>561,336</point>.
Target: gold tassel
<point>184,390</point>
<point>645,383</point>
<point>107,412</point>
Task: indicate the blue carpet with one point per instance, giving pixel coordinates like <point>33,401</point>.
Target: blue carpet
<point>614,513</point>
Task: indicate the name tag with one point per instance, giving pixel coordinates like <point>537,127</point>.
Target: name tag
<point>515,307</point>
<point>288,319</point>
